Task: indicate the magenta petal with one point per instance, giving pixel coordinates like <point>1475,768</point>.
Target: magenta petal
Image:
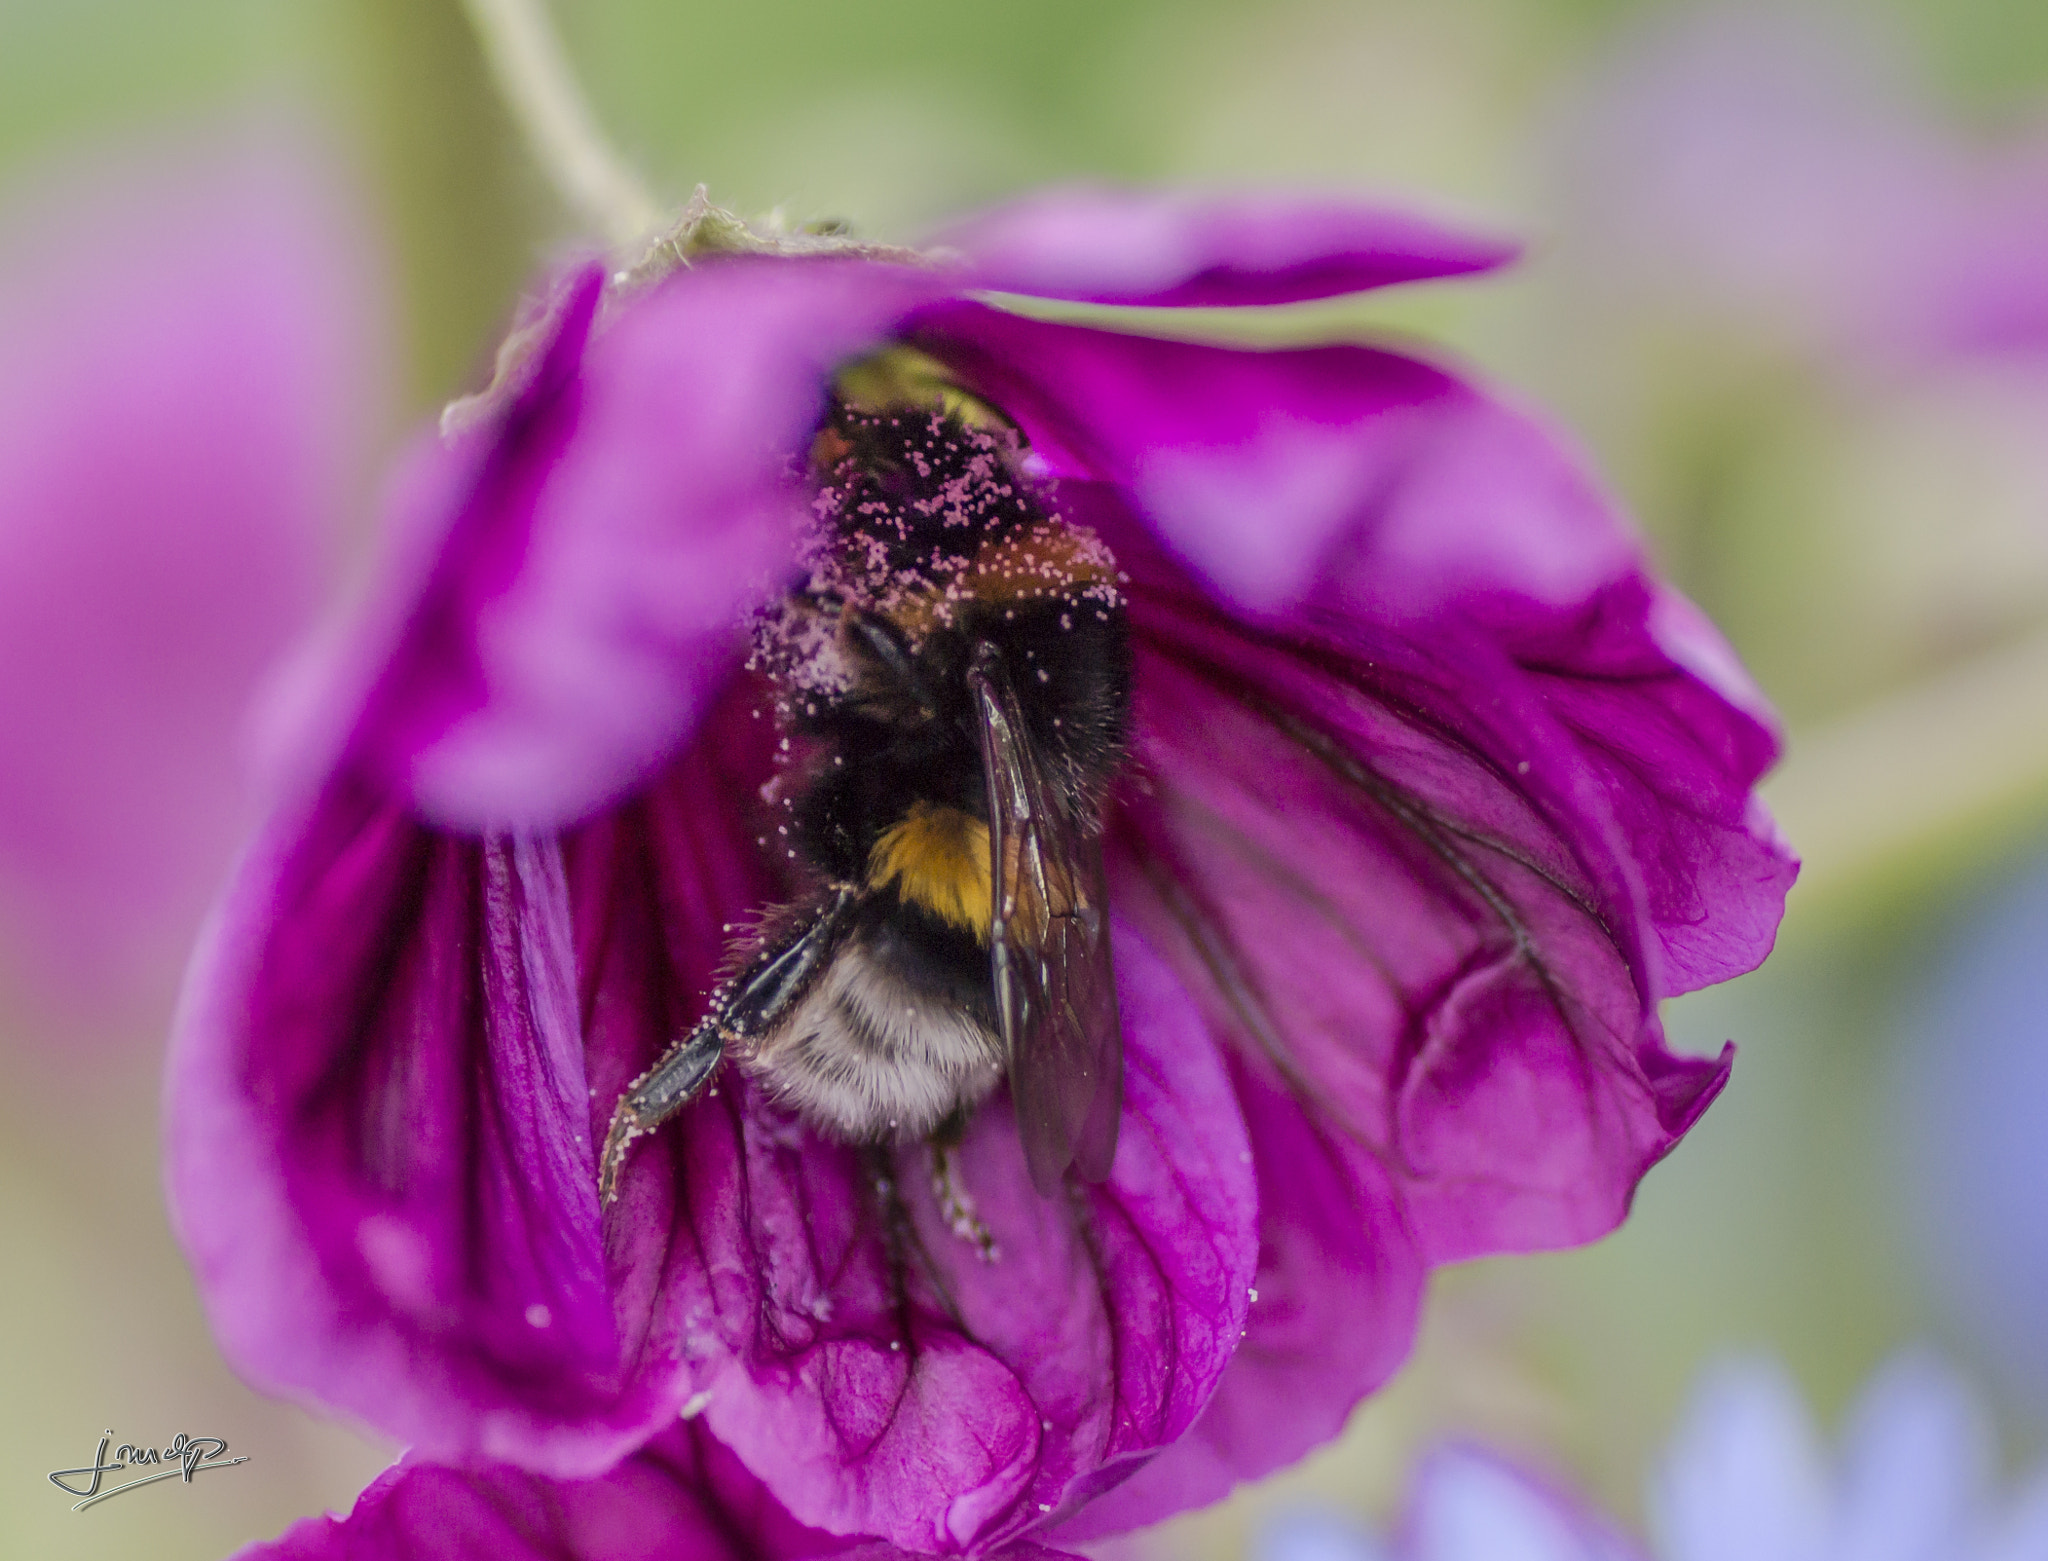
<point>600,543</point>
<point>1410,899</point>
<point>682,1497</point>
<point>1342,483</point>
<point>1334,1308</point>
<point>1202,249</point>
<point>1678,737</point>
<point>1268,472</point>
<point>883,1380</point>
<point>175,417</point>
<point>379,1148</point>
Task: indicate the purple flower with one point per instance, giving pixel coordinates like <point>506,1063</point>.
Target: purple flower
<point>1747,1475</point>
<point>1779,166</point>
<point>1466,1504</point>
<point>1966,1111</point>
<point>1745,1479</point>
<point>1432,794</point>
<point>180,353</point>
<point>682,1497</point>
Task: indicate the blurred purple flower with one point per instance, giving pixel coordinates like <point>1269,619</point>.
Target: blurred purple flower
<point>180,367</point>
<point>1778,164</point>
<point>1745,1479</point>
<point>1747,1475</point>
<point>682,1497</point>
<point>1969,1107</point>
<point>1466,1505</point>
<point>1435,794</point>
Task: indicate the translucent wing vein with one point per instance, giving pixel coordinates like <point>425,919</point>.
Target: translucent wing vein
<point>1049,956</point>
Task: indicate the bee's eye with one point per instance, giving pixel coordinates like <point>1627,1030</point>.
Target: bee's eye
<point>884,645</point>
<point>882,641</point>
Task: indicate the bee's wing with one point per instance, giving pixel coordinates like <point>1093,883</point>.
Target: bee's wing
<point>1055,989</point>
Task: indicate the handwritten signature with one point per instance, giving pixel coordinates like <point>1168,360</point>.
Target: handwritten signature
<point>190,1455</point>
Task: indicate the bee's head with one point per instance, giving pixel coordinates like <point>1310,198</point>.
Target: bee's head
<point>928,534</point>
<point>897,679</point>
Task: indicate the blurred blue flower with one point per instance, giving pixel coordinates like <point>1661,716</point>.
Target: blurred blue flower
<point>1746,1478</point>
<point>1971,1104</point>
<point>1466,1505</point>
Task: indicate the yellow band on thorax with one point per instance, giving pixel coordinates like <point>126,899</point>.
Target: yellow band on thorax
<point>938,859</point>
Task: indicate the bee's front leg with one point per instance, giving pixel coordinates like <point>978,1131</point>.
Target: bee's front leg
<point>745,1008</point>
<point>658,1094</point>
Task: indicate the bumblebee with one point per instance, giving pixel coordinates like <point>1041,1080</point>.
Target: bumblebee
<point>953,682</point>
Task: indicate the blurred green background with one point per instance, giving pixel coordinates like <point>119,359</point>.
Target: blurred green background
<point>1872,532</point>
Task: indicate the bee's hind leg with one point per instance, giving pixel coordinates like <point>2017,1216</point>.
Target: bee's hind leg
<point>956,1204</point>
<point>750,1006</point>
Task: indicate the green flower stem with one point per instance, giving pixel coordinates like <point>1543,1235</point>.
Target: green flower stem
<point>1928,783</point>
<point>540,91</point>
